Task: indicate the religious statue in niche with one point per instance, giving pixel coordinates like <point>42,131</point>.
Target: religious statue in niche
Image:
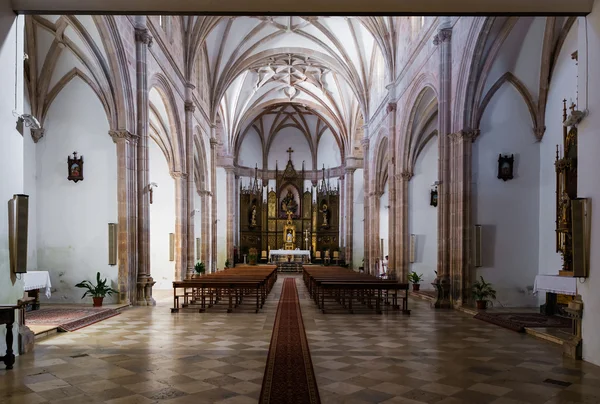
<point>289,204</point>
<point>75,166</point>
<point>253,216</point>
<point>325,212</point>
<point>289,237</point>
<point>505,167</point>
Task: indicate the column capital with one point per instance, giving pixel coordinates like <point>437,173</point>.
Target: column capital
<point>190,106</point>
<point>443,35</point>
<point>143,35</point>
<point>465,135</point>
<point>37,134</point>
<point>213,143</point>
<point>406,175</point>
<point>539,132</point>
<point>349,170</point>
<point>391,107</point>
<point>229,169</point>
<point>365,142</point>
<point>123,136</point>
<point>178,174</point>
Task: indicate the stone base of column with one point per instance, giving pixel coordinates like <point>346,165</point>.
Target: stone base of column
<point>443,293</point>
<point>189,274</point>
<point>144,292</point>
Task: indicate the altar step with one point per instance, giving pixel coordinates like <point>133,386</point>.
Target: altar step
<point>289,267</point>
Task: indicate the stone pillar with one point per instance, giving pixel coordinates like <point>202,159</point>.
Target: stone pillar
<point>127,211</point>
<point>349,205</point>
<point>230,189</point>
<point>190,153</point>
<point>391,109</point>
<point>181,219</point>
<point>460,263</point>
<point>375,205</point>
<point>342,235</point>
<point>402,235</point>
<point>143,40</point>
<point>236,213</point>
<point>205,239</point>
<point>442,40</point>
<point>367,192</point>
<point>213,186</point>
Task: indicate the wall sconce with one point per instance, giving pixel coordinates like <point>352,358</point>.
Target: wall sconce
<point>411,248</point>
<point>433,197</point>
<point>505,167</point>
<point>150,187</point>
<point>112,244</point>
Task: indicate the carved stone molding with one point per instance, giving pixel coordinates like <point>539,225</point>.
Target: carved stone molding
<point>213,142</point>
<point>539,132</point>
<point>349,170</point>
<point>406,175</point>
<point>465,135</point>
<point>178,174</point>
<point>37,134</point>
<point>391,107</point>
<point>123,135</point>
<point>365,142</point>
<point>189,106</point>
<point>142,35</point>
<point>443,35</point>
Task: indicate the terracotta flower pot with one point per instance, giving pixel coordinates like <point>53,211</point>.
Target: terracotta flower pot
<point>416,287</point>
<point>98,301</point>
<point>481,304</point>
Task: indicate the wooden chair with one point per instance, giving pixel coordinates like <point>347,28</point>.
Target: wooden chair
<point>318,256</point>
<point>336,257</point>
<point>263,256</point>
<point>327,259</point>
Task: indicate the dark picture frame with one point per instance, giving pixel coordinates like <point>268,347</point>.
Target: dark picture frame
<point>433,198</point>
<point>505,167</point>
<point>75,168</point>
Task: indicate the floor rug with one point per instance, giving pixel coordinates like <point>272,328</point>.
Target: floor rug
<point>289,375</point>
<point>69,319</point>
<point>519,321</point>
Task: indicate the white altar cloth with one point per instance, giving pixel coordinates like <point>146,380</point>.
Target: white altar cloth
<point>38,280</point>
<point>563,285</point>
<point>289,252</point>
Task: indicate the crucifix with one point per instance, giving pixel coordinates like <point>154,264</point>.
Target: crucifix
<point>290,151</point>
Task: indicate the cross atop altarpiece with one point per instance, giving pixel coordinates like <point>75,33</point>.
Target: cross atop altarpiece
<point>290,151</point>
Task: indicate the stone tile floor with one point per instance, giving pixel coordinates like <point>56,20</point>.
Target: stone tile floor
<point>148,355</point>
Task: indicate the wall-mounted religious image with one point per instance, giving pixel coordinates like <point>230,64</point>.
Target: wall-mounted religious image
<point>253,216</point>
<point>75,166</point>
<point>505,167</point>
<point>289,202</point>
<point>433,200</point>
<point>325,213</point>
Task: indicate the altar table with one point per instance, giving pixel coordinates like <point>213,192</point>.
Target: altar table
<point>34,282</point>
<point>563,285</point>
<point>290,252</point>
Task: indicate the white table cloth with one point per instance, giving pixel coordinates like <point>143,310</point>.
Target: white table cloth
<point>563,285</point>
<point>289,252</point>
<point>38,280</point>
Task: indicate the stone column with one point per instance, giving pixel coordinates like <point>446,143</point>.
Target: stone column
<point>190,153</point>
<point>402,235</point>
<point>127,210</point>
<point>342,235</point>
<point>181,219</point>
<point>205,239</point>
<point>236,213</point>
<point>143,40</point>
<point>461,212</point>
<point>213,185</point>
<point>392,183</point>
<point>230,189</point>
<point>375,206</point>
<point>367,192</point>
<point>349,205</point>
<point>442,39</point>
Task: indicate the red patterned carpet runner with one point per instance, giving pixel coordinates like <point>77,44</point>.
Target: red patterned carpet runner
<point>289,375</point>
<point>68,319</point>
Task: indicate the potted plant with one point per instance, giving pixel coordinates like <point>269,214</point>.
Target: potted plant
<point>227,263</point>
<point>98,291</point>
<point>252,259</point>
<point>415,279</point>
<point>200,268</point>
<point>483,293</point>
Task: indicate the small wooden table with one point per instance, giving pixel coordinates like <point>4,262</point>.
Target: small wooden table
<point>7,316</point>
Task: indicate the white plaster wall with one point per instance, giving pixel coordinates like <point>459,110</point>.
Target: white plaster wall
<point>162,218</point>
<point>285,138</point>
<point>562,86</point>
<point>250,153</point>
<point>328,152</point>
<point>11,150</point>
<point>72,234</point>
<point>222,217</point>
<point>589,180</point>
<point>358,230</point>
<point>384,220</point>
<point>508,211</point>
<point>422,217</point>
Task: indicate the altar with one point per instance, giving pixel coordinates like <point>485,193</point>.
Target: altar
<point>34,281</point>
<point>292,253</point>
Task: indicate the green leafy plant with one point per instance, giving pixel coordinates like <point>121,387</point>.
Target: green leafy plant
<point>414,277</point>
<point>200,268</point>
<point>482,291</point>
<point>101,289</point>
<point>227,263</point>
<point>252,259</point>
